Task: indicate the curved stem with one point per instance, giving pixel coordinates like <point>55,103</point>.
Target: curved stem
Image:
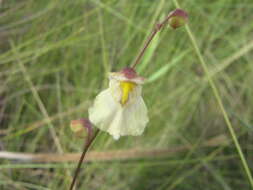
<point>87,145</point>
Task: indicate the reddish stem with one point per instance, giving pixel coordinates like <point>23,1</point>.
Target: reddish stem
<point>156,29</point>
<point>87,144</point>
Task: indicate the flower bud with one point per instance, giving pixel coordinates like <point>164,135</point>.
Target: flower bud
<point>178,18</point>
<point>81,127</point>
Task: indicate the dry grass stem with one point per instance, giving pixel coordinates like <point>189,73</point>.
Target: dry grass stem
<point>109,155</point>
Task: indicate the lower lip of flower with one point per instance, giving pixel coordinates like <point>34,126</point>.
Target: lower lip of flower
<point>126,88</point>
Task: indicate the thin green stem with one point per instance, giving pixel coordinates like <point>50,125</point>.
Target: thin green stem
<point>218,98</point>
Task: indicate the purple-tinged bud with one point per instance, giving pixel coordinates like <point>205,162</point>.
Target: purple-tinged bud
<point>178,18</point>
<point>82,128</point>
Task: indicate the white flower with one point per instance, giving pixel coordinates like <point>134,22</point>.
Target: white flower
<point>120,109</point>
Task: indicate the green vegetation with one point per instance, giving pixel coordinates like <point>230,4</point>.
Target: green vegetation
<point>54,59</point>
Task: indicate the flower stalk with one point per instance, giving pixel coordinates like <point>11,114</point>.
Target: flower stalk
<point>82,126</point>
<point>175,19</point>
<point>126,88</point>
<point>87,144</point>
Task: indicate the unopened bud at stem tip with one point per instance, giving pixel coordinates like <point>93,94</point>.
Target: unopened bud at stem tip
<point>178,18</point>
<point>81,127</point>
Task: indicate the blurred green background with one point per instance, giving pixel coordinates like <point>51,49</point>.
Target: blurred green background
<point>54,59</point>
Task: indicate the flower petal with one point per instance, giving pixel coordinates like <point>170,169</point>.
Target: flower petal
<point>134,118</point>
<point>102,112</point>
<point>108,114</point>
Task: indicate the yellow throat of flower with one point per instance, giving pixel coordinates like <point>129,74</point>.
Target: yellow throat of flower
<point>126,88</point>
